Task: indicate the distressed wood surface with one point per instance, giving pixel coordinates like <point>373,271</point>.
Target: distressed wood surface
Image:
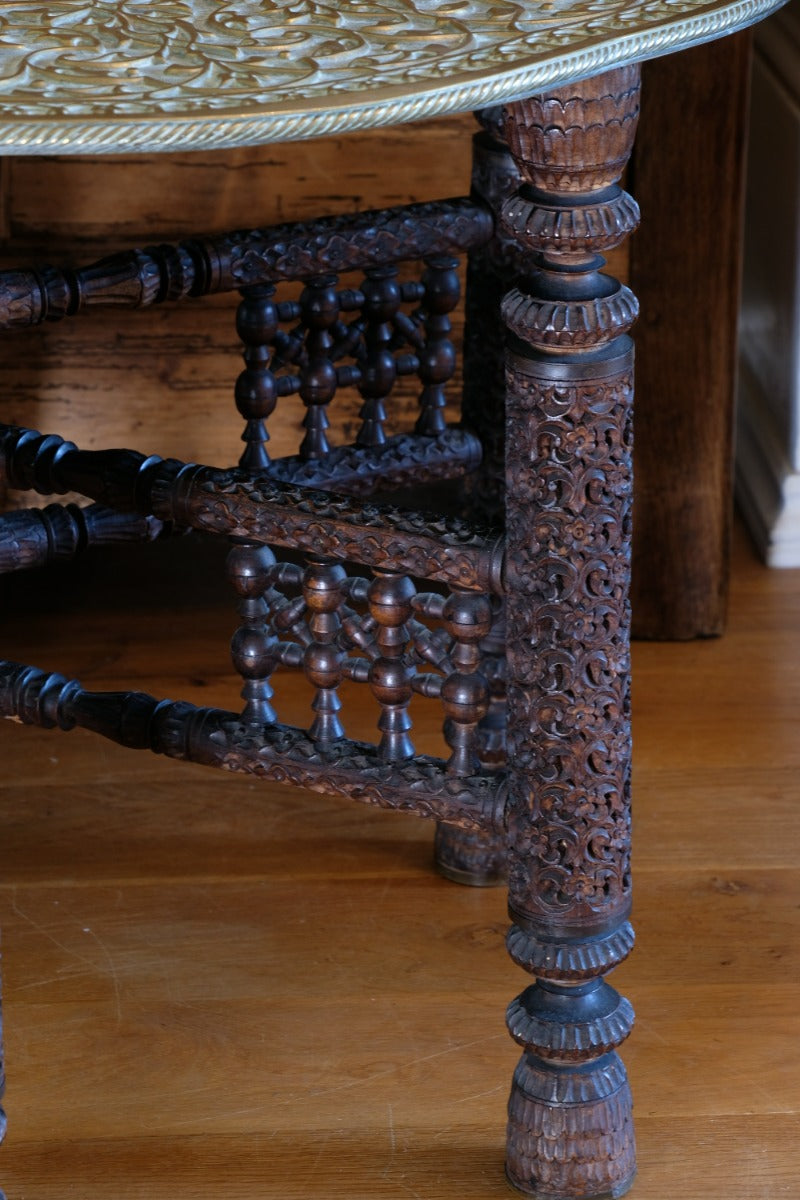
<point>197,992</point>
<point>685,265</point>
<point>167,377</point>
<point>165,380</point>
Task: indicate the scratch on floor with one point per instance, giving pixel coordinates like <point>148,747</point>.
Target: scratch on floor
<point>72,953</point>
<point>413,1062</point>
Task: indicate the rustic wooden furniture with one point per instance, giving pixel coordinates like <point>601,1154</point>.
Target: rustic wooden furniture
<point>506,598</point>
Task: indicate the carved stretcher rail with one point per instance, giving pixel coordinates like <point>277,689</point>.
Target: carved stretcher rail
<point>253,506</point>
<point>200,267</point>
<point>36,537</point>
<point>402,461</point>
<point>177,729</point>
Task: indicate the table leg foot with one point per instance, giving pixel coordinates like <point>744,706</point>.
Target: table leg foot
<point>470,857</point>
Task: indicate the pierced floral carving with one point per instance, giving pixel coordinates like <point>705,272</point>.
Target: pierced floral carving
<point>567,644</point>
<point>568,500</point>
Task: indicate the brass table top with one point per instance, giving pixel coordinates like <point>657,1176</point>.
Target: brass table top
<point>94,76</point>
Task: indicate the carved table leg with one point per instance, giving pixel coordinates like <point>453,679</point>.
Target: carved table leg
<point>568,498</point>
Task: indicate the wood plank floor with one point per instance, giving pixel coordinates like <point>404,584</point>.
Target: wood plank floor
<point>218,987</point>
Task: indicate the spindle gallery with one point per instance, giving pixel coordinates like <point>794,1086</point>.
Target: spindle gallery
<point>482,564</point>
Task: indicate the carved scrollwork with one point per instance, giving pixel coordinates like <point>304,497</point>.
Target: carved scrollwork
<point>428,546</point>
<point>569,375</point>
<point>569,601</point>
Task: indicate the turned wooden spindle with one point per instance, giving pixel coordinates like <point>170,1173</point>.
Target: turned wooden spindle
<point>568,501</point>
<point>256,391</point>
<point>319,306</point>
<point>437,361</point>
<point>467,618</point>
<point>39,537</point>
<point>324,592</point>
<point>381,301</point>
<point>476,857</point>
<point>390,606</point>
<point>466,855</point>
<point>253,649</point>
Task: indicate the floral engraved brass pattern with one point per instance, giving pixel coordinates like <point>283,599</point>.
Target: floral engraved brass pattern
<point>567,645</point>
<point>124,75</point>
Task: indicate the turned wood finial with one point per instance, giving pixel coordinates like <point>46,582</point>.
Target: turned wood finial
<point>467,618</point>
<point>576,139</point>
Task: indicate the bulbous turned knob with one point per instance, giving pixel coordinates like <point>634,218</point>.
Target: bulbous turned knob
<point>390,681</point>
<point>253,652</point>
<point>467,616</point>
<point>249,568</point>
<point>324,585</point>
<point>257,316</point>
<point>320,303</point>
<point>390,597</point>
<point>322,663</point>
<point>382,296</point>
<point>442,285</point>
<point>465,698</point>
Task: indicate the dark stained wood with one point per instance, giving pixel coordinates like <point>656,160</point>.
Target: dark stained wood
<point>199,962</point>
<point>568,509</point>
<point>442,548</point>
<point>205,266</point>
<point>169,374</point>
<point>178,393</point>
<point>684,266</point>
<point>564,802</point>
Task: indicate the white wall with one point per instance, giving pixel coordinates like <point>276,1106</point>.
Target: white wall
<point>768,443</point>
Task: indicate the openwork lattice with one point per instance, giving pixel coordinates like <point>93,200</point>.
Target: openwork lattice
<point>410,604</point>
<point>367,338</point>
<point>382,632</point>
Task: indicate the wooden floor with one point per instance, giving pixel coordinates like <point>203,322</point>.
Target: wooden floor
<point>220,988</point>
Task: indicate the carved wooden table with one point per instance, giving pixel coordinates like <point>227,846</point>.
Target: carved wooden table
<point>520,628</point>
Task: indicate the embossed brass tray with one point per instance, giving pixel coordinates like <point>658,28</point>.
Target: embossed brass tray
<point>93,76</point>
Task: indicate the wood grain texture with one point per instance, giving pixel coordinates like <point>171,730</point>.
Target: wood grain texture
<point>165,380</point>
<point>684,267</point>
<point>201,994</point>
